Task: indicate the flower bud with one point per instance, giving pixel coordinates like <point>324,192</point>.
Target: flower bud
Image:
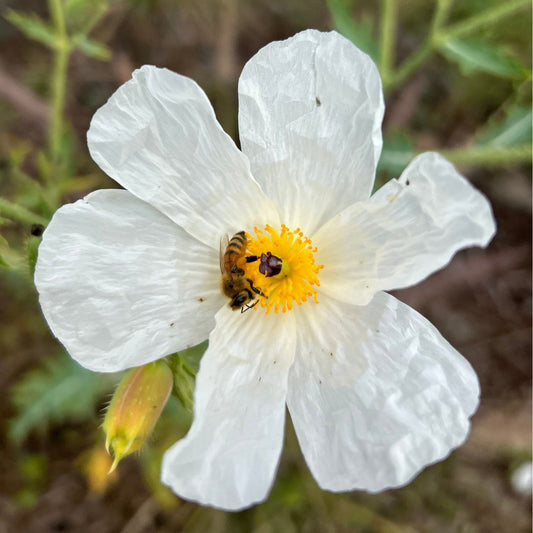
<point>135,408</point>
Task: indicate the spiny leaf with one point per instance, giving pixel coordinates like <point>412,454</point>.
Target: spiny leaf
<point>60,390</point>
<point>91,48</point>
<point>513,130</point>
<point>33,27</point>
<point>83,15</point>
<point>360,33</point>
<point>478,55</point>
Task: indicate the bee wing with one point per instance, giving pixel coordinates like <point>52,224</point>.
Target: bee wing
<point>224,241</point>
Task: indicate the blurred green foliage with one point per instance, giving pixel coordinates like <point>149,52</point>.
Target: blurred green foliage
<point>477,54</point>
<point>59,391</point>
<point>184,366</point>
<point>360,32</point>
<point>80,17</point>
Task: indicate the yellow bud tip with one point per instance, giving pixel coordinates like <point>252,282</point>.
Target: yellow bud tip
<point>116,460</point>
<point>120,447</point>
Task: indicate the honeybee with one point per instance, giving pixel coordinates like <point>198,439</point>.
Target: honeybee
<point>235,285</point>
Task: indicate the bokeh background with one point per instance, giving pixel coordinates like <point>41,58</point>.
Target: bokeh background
<point>459,84</point>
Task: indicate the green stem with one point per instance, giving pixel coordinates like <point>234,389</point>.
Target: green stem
<point>489,155</point>
<point>59,78</point>
<point>19,213</point>
<point>441,15</point>
<point>485,17</point>
<point>387,37</point>
<point>410,65</point>
<point>420,55</point>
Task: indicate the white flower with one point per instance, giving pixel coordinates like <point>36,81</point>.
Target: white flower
<point>126,277</point>
<point>521,479</point>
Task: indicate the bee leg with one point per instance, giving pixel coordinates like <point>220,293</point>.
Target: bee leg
<point>247,306</point>
<point>251,258</point>
<point>255,289</point>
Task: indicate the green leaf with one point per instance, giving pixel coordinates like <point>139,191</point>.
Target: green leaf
<point>33,27</point>
<point>184,367</point>
<point>478,55</point>
<point>359,33</point>
<point>513,130</point>
<point>61,390</point>
<point>83,15</point>
<point>193,355</point>
<point>91,48</point>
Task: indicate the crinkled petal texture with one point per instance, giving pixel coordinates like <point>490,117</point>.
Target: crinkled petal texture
<point>408,229</point>
<point>159,138</point>
<point>310,112</point>
<point>409,409</point>
<point>229,457</point>
<point>121,285</point>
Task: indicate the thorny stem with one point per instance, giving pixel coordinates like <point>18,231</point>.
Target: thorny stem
<point>475,155</point>
<point>387,37</point>
<point>19,213</point>
<point>489,155</point>
<point>485,17</point>
<point>438,37</point>
<point>409,65</point>
<point>59,78</point>
<point>441,15</point>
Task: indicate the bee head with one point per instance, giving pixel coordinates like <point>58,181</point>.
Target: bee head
<point>240,299</point>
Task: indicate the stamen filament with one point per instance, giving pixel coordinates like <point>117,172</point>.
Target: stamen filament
<point>297,278</point>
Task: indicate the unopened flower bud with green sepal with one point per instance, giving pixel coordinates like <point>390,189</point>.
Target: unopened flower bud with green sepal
<point>135,408</point>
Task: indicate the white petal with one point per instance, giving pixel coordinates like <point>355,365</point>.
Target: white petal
<point>159,138</point>
<point>122,285</point>
<point>326,337</point>
<point>229,457</point>
<point>409,409</point>
<point>407,230</point>
<point>310,121</point>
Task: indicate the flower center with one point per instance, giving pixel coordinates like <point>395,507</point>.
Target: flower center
<point>285,271</point>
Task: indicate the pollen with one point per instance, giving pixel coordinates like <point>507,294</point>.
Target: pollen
<point>285,271</point>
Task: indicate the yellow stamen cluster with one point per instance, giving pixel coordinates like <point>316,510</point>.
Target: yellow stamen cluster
<point>298,276</point>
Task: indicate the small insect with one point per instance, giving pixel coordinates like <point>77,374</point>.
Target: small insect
<point>235,285</point>
<point>37,230</point>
